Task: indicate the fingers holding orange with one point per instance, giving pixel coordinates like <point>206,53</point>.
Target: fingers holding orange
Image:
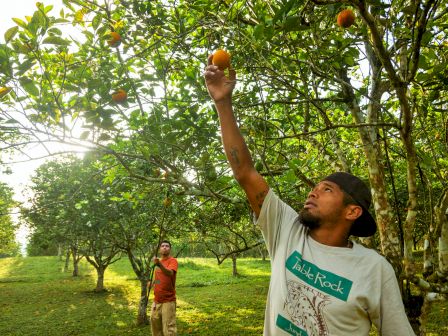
<point>209,59</point>
<point>218,61</point>
<point>220,77</point>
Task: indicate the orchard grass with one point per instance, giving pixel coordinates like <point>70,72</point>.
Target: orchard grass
<point>38,298</point>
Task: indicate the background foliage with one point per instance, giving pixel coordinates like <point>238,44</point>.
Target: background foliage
<point>311,98</point>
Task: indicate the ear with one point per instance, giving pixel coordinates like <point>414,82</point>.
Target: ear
<point>352,212</point>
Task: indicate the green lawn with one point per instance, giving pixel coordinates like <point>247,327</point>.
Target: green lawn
<point>37,298</point>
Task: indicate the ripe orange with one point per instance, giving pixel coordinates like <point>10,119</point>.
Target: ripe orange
<point>115,39</point>
<point>346,18</point>
<point>119,96</point>
<point>4,91</point>
<point>221,59</point>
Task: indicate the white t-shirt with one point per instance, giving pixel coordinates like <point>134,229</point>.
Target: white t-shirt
<point>320,290</point>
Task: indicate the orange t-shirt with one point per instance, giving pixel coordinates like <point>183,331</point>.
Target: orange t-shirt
<point>164,285</point>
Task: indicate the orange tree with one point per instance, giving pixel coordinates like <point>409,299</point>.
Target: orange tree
<point>312,97</point>
<point>9,246</point>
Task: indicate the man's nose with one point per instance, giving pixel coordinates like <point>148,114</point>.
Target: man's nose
<point>312,194</point>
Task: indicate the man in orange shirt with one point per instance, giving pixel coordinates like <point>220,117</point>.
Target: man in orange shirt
<point>163,313</point>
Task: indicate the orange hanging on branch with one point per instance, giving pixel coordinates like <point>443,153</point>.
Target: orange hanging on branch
<point>119,96</point>
<point>346,18</point>
<point>114,40</point>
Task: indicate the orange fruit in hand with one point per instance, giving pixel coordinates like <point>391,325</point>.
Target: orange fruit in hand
<point>221,59</point>
<point>346,18</point>
<point>115,39</point>
<point>119,96</point>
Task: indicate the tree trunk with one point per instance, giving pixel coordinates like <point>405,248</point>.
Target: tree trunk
<point>441,212</point>
<point>262,252</point>
<point>75,268</point>
<point>100,279</point>
<point>389,237</point>
<point>411,156</point>
<point>428,264</point>
<point>75,262</point>
<point>142,316</point>
<point>143,275</point>
<point>67,260</point>
<point>234,269</point>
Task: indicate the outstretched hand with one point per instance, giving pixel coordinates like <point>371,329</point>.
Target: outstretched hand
<point>219,86</point>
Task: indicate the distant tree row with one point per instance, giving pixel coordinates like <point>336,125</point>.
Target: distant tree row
<point>9,247</point>
<point>77,210</point>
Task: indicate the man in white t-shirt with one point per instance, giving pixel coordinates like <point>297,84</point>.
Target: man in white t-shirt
<point>322,283</point>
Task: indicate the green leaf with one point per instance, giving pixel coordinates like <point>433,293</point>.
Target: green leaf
<point>29,86</point>
<point>294,23</point>
<point>290,176</point>
<point>259,31</point>
<point>283,10</point>
<point>21,23</point>
<point>48,8</point>
<point>10,33</point>
<point>96,21</point>
<point>103,137</point>
<point>423,63</point>
<point>38,20</point>
<point>23,67</point>
<point>56,41</point>
<point>349,61</point>
<point>427,37</point>
<point>55,31</point>
<point>11,121</point>
<point>84,135</point>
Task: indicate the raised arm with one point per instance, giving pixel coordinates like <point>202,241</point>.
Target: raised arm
<point>166,271</point>
<point>220,89</point>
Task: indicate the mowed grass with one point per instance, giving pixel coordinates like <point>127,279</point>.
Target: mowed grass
<point>38,298</point>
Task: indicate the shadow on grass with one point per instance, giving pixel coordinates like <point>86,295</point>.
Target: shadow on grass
<point>232,309</point>
<point>37,298</point>
<point>213,302</point>
<point>40,300</point>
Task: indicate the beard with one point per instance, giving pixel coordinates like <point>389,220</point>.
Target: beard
<point>309,220</point>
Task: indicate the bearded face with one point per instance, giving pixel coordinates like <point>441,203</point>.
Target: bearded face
<point>309,220</point>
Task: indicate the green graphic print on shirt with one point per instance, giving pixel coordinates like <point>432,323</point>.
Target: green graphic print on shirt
<point>305,301</point>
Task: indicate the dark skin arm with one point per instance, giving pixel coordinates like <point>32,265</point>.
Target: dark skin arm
<point>220,89</point>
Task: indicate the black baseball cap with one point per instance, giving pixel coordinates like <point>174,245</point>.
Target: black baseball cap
<point>364,225</point>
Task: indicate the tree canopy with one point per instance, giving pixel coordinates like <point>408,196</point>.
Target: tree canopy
<point>312,97</point>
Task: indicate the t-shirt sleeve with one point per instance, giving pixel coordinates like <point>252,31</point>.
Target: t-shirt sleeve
<point>393,319</point>
<point>275,220</point>
<point>172,265</point>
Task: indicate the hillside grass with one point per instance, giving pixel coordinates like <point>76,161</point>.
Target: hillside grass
<point>38,298</point>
